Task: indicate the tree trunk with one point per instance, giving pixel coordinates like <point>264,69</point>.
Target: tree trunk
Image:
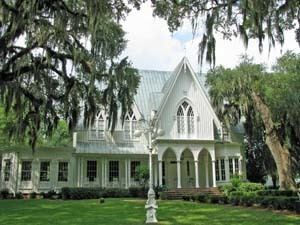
<point>280,153</point>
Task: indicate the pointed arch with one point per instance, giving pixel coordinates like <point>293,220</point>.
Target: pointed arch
<point>130,125</point>
<point>185,118</point>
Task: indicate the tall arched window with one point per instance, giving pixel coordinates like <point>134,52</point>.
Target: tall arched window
<point>185,119</point>
<point>97,131</point>
<point>130,125</point>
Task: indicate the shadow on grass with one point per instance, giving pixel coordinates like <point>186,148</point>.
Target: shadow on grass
<point>131,212</point>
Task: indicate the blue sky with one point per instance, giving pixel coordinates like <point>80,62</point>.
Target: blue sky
<point>152,46</point>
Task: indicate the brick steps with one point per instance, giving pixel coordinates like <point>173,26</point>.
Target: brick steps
<point>179,193</point>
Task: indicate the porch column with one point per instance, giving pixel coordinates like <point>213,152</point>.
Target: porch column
<point>196,174</point>
<point>206,174</point>
<point>214,172</point>
<point>129,173</point>
<point>103,173</point>
<point>126,173</point>
<point>178,175</point>
<point>240,165</point>
<point>160,173</point>
<point>155,174</point>
<point>227,174</point>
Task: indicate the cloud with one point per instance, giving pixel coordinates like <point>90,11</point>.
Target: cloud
<point>152,46</point>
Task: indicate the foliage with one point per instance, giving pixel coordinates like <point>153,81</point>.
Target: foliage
<point>231,18</point>
<point>32,195</point>
<point>96,193</point>
<point>287,193</point>
<point>249,93</point>
<point>61,58</point>
<point>4,193</point>
<point>142,174</point>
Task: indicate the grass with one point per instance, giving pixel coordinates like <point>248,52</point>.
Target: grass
<point>131,211</point>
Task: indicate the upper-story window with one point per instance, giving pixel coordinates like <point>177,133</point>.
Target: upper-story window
<point>130,125</point>
<point>185,119</point>
<point>97,131</point>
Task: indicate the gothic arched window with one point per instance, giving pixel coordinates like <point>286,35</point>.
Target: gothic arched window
<point>130,125</point>
<point>98,129</point>
<point>185,119</point>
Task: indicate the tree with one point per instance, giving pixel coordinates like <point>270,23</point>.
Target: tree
<point>142,175</point>
<point>249,91</point>
<point>248,19</point>
<point>59,58</point>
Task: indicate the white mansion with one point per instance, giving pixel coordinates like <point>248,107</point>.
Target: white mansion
<point>193,152</point>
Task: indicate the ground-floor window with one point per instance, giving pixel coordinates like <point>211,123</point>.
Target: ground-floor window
<point>7,169</point>
<point>133,169</point>
<point>63,171</point>
<point>45,171</point>
<point>233,166</point>
<point>91,171</point>
<point>113,171</point>
<point>26,171</point>
<point>220,170</point>
<point>217,170</point>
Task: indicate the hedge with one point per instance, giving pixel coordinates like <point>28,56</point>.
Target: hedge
<point>94,193</point>
<point>287,193</point>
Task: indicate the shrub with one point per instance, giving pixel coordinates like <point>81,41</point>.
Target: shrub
<point>235,197</point>
<point>247,199</point>
<point>138,192</point>
<point>19,195</point>
<point>287,193</point>
<point>202,197</point>
<point>250,187</point>
<point>4,193</point>
<point>214,199</point>
<point>101,200</point>
<point>278,202</point>
<point>186,198</point>
<point>32,195</point>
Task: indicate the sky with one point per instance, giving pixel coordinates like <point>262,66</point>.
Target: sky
<point>151,46</point>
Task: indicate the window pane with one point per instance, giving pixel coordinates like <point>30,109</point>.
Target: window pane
<point>113,171</point>
<point>133,169</point>
<point>26,171</point>
<point>63,171</point>
<point>236,165</point>
<point>217,170</point>
<point>223,175</point>
<point>91,170</point>
<point>7,168</point>
<point>230,167</point>
<point>45,171</point>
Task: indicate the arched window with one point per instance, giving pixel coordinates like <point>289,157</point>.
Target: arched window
<point>97,131</point>
<point>130,125</point>
<point>185,119</point>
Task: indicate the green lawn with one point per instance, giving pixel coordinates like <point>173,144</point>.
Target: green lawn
<point>126,211</point>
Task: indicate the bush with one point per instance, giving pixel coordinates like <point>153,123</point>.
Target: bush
<point>235,197</point>
<point>277,202</point>
<point>202,197</point>
<point>19,195</point>
<point>287,193</point>
<point>186,198</point>
<point>4,193</point>
<point>32,195</point>
<point>138,192</point>
<point>101,200</point>
<point>250,187</point>
<point>248,199</point>
<point>96,193</point>
<point>214,199</point>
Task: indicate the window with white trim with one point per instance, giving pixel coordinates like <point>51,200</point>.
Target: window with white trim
<point>63,171</point>
<point>113,171</point>
<point>220,169</point>
<point>185,119</point>
<point>133,169</point>
<point>26,171</point>
<point>7,169</point>
<point>91,170</point>
<point>97,131</point>
<point>45,171</point>
<point>217,170</point>
<point>233,166</point>
<point>130,125</point>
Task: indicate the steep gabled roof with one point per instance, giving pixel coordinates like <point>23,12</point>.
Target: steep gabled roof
<point>183,65</point>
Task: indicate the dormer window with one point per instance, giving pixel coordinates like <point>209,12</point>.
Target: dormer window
<point>97,131</point>
<point>130,125</point>
<point>185,119</point>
